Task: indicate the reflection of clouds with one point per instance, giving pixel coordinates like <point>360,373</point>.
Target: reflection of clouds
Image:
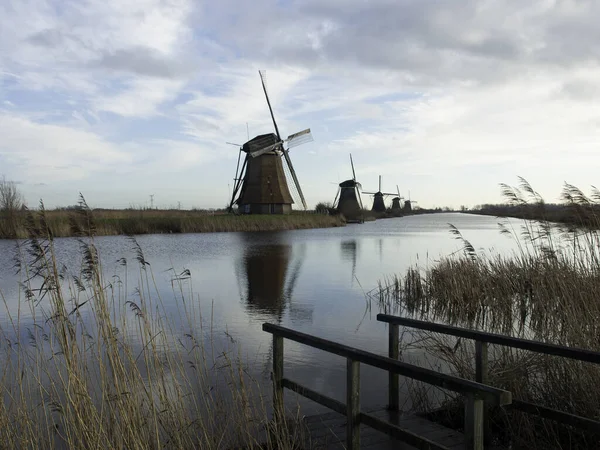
<point>308,290</point>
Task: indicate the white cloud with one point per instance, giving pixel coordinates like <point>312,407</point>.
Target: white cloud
<point>141,98</point>
<point>432,96</point>
<point>44,152</point>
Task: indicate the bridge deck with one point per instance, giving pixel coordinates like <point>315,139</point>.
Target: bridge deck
<point>328,431</point>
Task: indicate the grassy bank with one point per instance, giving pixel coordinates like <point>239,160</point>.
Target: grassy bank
<point>132,222</point>
<point>89,360</point>
<point>548,291</point>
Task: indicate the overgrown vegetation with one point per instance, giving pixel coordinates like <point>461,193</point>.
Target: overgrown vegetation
<point>85,364</point>
<point>153,221</point>
<point>546,291</point>
<point>576,208</point>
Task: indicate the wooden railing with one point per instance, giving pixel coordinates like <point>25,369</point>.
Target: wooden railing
<point>475,393</point>
<point>482,339</point>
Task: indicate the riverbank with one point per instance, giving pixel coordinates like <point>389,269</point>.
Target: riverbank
<point>136,222</point>
<point>546,292</point>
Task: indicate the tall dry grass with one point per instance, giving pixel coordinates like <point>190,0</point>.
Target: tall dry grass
<point>547,290</point>
<point>86,366</point>
<point>149,221</point>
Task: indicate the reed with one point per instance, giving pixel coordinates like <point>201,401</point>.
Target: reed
<point>149,221</point>
<point>87,364</point>
<point>547,290</point>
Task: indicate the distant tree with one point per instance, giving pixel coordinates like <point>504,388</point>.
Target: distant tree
<point>11,202</point>
<point>323,208</point>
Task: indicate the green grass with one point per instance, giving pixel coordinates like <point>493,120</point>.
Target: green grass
<point>90,360</point>
<point>547,291</point>
<point>133,222</point>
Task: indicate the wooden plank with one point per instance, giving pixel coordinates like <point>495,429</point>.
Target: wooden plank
<point>352,404</point>
<point>495,396</point>
<point>393,379</point>
<point>401,434</point>
<point>493,338</point>
<point>329,402</point>
<point>573,420</point>
<point>331,432</point>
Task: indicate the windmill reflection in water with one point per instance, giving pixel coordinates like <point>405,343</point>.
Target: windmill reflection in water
<point>267,275</point>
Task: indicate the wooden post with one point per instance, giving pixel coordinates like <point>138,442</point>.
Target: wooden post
<point>473,423</point>
<point>481,362</point>
<point>278,410</point>
<point>482,376</point>
<point>393,380</point>
<point>352,404</point>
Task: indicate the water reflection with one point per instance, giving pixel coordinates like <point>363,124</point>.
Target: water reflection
<point>269,271</point>
<point>349,253</point>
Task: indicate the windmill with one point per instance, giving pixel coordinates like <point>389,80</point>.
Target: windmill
<point>408,204</point>
<point>378,203</point>
<point>260,185</point>
<point>396,207</point>
<point>347,200</point>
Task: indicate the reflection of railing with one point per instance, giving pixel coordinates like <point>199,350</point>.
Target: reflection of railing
<point>475,392</point>
<point>482,339</point>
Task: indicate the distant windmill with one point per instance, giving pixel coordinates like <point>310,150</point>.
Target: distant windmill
<point>408,204</point>
<point>378,203</point>
<point>260,185</point>
<point>347,200</point>
<point>396,207</point>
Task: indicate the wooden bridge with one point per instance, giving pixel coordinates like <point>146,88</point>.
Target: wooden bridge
<point>350,427</point>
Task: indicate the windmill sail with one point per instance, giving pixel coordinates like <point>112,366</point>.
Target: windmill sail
<point>296,139</point>
<point>263,78</point>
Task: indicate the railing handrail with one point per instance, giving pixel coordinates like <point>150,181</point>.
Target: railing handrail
<point>493,338</point>
<point>491,394</point>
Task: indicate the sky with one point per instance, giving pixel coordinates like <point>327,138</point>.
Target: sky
<point>120,100</point>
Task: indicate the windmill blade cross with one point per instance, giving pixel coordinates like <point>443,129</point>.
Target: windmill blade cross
<point>266,149</point>
<point>352,164</point>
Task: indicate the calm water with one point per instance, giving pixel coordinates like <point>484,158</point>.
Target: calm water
<point>311,280</point>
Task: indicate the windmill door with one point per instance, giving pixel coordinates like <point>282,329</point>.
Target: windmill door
<point>271,208</point>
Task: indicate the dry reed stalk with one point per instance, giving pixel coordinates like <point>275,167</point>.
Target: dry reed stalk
<point>87,366</point>
<point>547,291</point>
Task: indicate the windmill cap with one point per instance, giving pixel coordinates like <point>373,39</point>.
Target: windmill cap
<point>348,184</point>
<point>260,142</point>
